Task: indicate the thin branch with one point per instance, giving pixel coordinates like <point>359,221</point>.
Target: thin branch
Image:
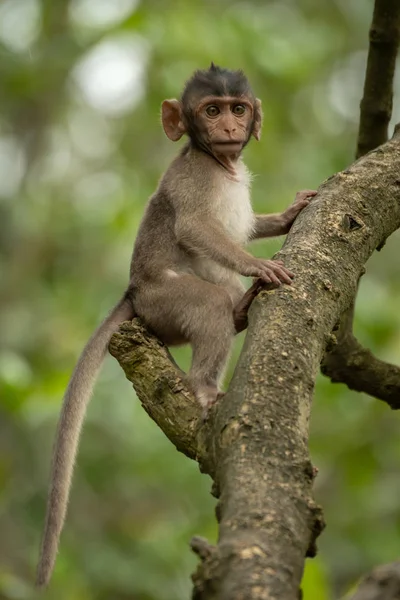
<point>376,104</point>
<point>383,583</point>
<point>347,361</point>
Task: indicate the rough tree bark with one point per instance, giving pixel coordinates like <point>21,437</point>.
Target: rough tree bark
<point>255,443</point>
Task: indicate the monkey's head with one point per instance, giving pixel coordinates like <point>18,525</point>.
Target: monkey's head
<point>217,110</point>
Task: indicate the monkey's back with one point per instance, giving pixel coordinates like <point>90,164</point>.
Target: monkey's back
<point>155,248</point>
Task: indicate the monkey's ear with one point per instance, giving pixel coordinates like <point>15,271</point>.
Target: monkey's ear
<point>171,117</point>
<point>257,121</point>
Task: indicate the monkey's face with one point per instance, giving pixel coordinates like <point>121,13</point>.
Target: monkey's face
<point>223,124</point>
<point>218,111</point>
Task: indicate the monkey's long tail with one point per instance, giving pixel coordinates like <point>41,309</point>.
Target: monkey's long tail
<point>70,424</point>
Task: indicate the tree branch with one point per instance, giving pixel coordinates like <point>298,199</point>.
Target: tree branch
<point>347,361</point>
<point>383,583</point>
<point>255,443</point>
<point>376,104</point>
<point>159,385</point>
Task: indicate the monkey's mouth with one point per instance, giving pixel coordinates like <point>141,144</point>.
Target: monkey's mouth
<point>228,147</point>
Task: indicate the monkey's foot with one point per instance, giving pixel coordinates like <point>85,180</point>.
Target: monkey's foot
<point>207,395</point>
<point>242,307</point>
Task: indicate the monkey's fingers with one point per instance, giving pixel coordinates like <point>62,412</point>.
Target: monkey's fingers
<point>271,271</point>
<point>285,277</point>
<point>274,278</point>
<point>300,204</point>
<point>266,278</point>
<point>277,265</point>
<point>270,276</point>
<point>281,272</point>
<point>305,194</point>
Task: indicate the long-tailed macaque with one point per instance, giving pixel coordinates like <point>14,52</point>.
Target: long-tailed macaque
<point>187,259</point>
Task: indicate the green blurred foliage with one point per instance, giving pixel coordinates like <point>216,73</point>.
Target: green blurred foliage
<point>81,149</point>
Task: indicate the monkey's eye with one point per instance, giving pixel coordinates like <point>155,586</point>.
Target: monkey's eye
<point>212,110</point>
<point>239,109</point>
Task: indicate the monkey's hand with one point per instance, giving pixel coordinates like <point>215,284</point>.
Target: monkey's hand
<point>270,271</point>
<point>301,200</point>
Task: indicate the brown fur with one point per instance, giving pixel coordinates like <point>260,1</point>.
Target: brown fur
<point>76,399</point>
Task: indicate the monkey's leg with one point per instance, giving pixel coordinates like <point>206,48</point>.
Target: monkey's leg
<point>184,308</point>
<point>211,342</point>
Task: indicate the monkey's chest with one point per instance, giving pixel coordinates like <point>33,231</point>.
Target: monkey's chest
<point>232,208</point>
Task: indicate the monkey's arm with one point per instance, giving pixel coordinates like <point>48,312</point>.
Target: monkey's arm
<point>205,237</point>
<point>280,223</point>
<point>269,226</point>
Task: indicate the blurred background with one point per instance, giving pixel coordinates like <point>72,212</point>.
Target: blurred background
<point>81,149</point>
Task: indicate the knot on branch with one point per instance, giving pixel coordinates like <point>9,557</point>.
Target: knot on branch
<point>396,130</point>
<point>201,547</point>
<point>317,526</point>
<point>205,576</point>
<point>310,471</point>
<point>350,223</point>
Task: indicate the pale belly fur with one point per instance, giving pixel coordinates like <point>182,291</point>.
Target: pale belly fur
<point>233,209</point>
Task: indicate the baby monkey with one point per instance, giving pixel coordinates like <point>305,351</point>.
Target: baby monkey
<point>187,259</point>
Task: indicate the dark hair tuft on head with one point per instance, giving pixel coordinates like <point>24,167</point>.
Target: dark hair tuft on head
<point>215,81</point>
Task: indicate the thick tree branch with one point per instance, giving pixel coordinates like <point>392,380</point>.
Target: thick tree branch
<point>256,439</point>
<point>383,583</point>
<point>347,361</point>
